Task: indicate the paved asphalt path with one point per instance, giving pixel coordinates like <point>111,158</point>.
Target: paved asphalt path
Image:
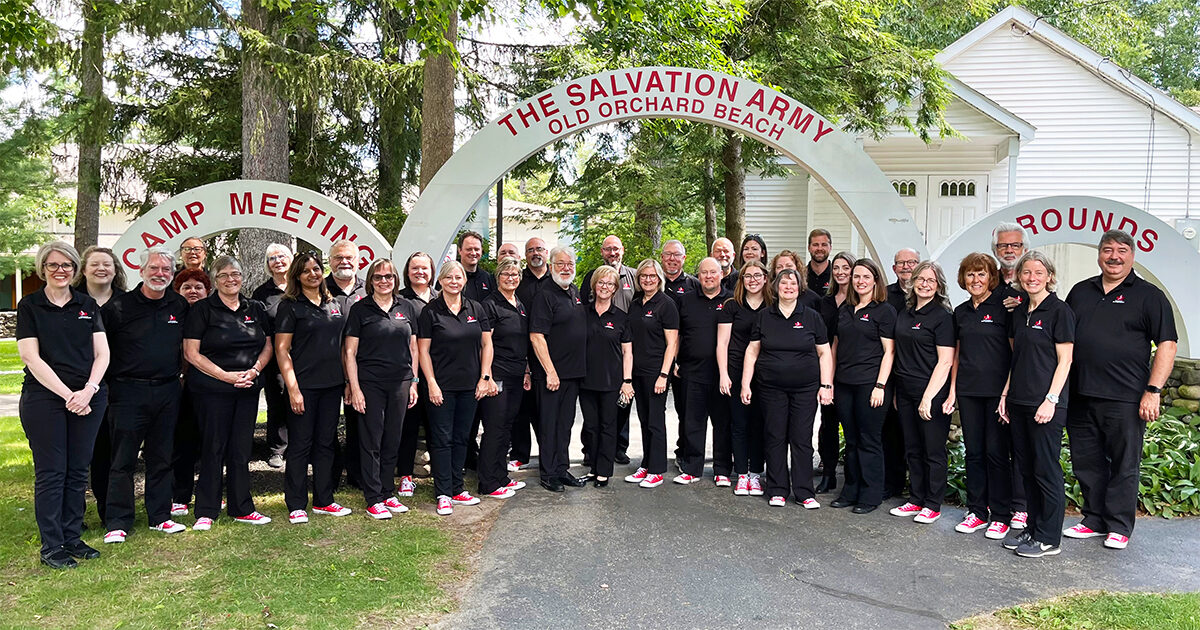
<point>699,557</point>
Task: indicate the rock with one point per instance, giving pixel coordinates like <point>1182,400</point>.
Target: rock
<point>1192,406</point>
<point>1173,382</point>
<point>1176,372</point>
<point>1173,392</point>
<point>1191,392</point>
<point>1190,377</point>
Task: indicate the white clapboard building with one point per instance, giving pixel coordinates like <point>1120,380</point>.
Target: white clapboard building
<point>1041,114</point>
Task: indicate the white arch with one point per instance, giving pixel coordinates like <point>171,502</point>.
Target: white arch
<point>1165,255</point>
<point>247,203</point>
<point>790,127</point>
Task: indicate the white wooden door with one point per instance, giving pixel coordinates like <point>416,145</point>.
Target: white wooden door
<point>952,201</point>
<point>914,192</point>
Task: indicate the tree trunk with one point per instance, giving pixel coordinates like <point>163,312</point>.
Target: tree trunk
<point>735,187</point>
<point>91,131</point>
<point>437,109</point>
<point>648,221</point>
<point>710,206</point>
<point>304,171</point>
<point>264,138</point>
<point>392,118</point>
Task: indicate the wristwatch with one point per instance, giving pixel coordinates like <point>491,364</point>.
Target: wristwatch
<point>663,375</point>
<point>627,381</point>
<point>487,377</point>
<point>826,386</point>
<point>880,386</point>
<point>1053,398</point>
<point>1153,390</point>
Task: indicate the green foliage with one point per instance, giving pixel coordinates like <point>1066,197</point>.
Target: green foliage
<point>1109,611</point>
<point>29,197</point>
<point>27,39</point>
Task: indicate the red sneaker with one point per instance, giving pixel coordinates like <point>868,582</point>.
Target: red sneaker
<point>970,524</point>
<point>515,485</point>
<point>444,507</point>
<point>464,498</point>
<point>638,476</point>
<point>756,489</point>
<point>908,509</point>
<point>333,509</point>
<point>500,493</point>
<point>721,481</point>
<point>777,502</point>
<point>253,518</point>
<point>394,506</point>
<point>927,516</point>
<point>179,509</point>
<point>1116,541</point>
<point>1081,531</point>
<point>407,487</point>
<point>996,531</point>
<point>1018,520</point>
<point>296,517</point>
<point>379,512</point>
<point>742,488</point>
<point>684,479</point>
<point>652,481</point>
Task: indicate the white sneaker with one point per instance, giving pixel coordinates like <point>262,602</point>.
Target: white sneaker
<point>202,524</point>
<point>810,504</point>
<point>179,509</point>
<point>722,481</point>
<point>444,507</point>
<point>394,506</point>
<point>651,481</point>
<point>115,536</point>
<point>407,486</point>
<point>464,498</point>
<point>379,512</point>
<point>756,489</point>
<point>685,479</point>
<point>927,516</point>
<point>253,518</point>
<point>742,488</point>
<point>296,517</point>
<point>333,509</point>
<point>515,485</point>
<point>169,527</point>
<point>777,502</point>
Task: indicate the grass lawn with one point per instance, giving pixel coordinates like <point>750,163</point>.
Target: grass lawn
<point>9,361</point>
<point>330,573</point>
<point>1099,611</point>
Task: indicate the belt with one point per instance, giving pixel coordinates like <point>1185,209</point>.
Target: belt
<point>145,381</point>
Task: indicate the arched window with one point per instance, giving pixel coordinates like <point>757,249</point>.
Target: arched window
<point>958,188</point>
<point>905,187</point>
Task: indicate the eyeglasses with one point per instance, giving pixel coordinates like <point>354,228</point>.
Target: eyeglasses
<point>754,277</point>
<point>510,275</point>
<point>230,275</point>
<point>610,249</point>
<point>907,263</point>
<point>535,249</point>
<point>1009,245</point>
<point>672,255</point>
<point>564,265</point>
<point>925,281</point>
<point>383,277</point>
<point>193,250</point>
<point>605,283</point>
<point>53,266</point>
<point>277,257</point>
<point>648,276</point>
<point>343,257</point>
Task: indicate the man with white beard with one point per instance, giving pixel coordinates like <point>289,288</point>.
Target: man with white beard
<point>347,288</point>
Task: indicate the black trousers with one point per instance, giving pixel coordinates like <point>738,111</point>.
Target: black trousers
<point>414,420</point>
<point>61,443</point>
<point>892,439</point>
<point>450,427</point>
<point>277,410</point>
<point>379,431</point>
<point>788,427</point>
<point>227,436</point>
<point>862,426</point>
<point>311,438</point>
<point>186,451</point>
<point>141,414</point>
<point>101,465</point>
<point>704,402</point>
<point>525,423</point>
<point>678,387</point>
<point>588,438</point>
<point>652,415</point>
<point>924,446</point>
<point>600,422</point>
<point>1040,446</point>
<point>623,414</point>
<point>347,457</point>
<point>989,469</point>
<point>1106,454</point>
<point>557,410</point>
<point>746,433</point>
<point>498,413</point>
<point>829,441</point>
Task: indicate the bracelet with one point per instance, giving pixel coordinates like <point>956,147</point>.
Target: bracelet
<point>826,386</point>
<point>663,375</point>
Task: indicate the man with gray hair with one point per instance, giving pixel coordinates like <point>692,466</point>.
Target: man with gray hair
<point>1010,241</point>
<point>347,288</point>
<point>145,334</point>
<point>558,333</point>
<point>612,250</point>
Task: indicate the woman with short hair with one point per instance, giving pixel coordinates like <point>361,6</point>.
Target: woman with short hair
<point>227,340</point>
<point>193,285</point>
<point>654,329</point>
<point>829,439</point>
<point>419,290</point>
<point>379,357</point>
<point>510,371</point>
<point>864,349</point>
<point>455,347</point>
<point>308,332</point>
<point>737,316</point>
<point>788,259</point>
<point>609,373</point>
<point>276,260</point>
<point>925,345</point>
<point>61,341</point>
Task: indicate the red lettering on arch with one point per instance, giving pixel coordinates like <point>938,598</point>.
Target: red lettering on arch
<point>151,240</point>
<point>290,208</point>
<point>1057,219</point>
<point>1124,220</point>
<point>1026,221</point>
<point>269,200</point>
<point>1149,239</point>
<point>1100,223</point>
<point>125,258</point>
<point>194,210</point>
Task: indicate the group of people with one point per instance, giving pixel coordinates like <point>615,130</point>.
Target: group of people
<point>752,346</point>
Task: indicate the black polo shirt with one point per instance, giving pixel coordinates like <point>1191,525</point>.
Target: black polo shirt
<point>346,300</point>
<point>418,303</point>
<point>316,349</point>
<point>231,339</point>
<point>730,282</point>
<point>1034,358</point>
<point>819,282</point>
<point>605,359</point>
<point>829,312</point>
<point>559,314</point>
<point>787,354</point>
<point>64,335</point>
<point>455,342</point>
<point>859,350</point>
<point>1007,290</point>
<point>479,284</point>
<point>809,299</point>
<point>625,287</point>
<point>984,352</point>
<point>698,335</point>
<point>510,336</point>
<point>741,319</point>
<point>683,284</point>
<point>145,336</point>
<point>531,285</point>
<point>269,294</point>
<point>919,334</point>
<point>1114,331</point>
<point>897,297</point>
<point>647,321</point>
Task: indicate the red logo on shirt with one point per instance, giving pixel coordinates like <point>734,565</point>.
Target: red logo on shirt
<point>1120,299</point>
<point>866,317</point>
<point>483,285</point>
<point>470,319</point>
<point>84,315</point>
<point>249,320</point>
<point>650,313</point>
<point>797,325</point>
<point>400,316</point>
<point>171,319</point>
<point>987,319</point>
<point>1037,325</point>
<point>917,326</point>
<point>577,301</point>
<point>679,290</point>
<point>625,286</point>
<point>521,311</point>
<point>720,307</point>
<point>608,325</point>
<point>334,311</point>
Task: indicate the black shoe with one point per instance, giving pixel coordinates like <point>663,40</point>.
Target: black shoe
<point>574,482</point>
<point>827,484</point>
<point>80,549</point>
<point>621,459</point>
<point>1016,539</point>
<point>600,483</point>
<point>841,503</point>
<point>864,509</point>
<point>553,485</point>
<point>59,559</point>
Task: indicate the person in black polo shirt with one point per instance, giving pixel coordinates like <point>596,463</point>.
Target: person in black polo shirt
<point>193,285</point>
<point>754,249</point>
<point>379,358</point>
<point>346,288</point>
<point>1114,389</point>
<point>479,281</point>
<point>829,440</point>
<point>677,283</point>
<point>788,346</point>
<point>980,369</point>
<point>145,334</point>
<point>418,290</point>
<point>613,252</point>
<point>278,258</point>
<point>308,333</point>
<point>60,338</point>
<point>924,357</point>
<point>818,271</point>
<point>456,358</point>
<point>558,333</point>
<point>1034,402</point>
<point>227,341</point>
<point>535,277</point>
<point>895,465</point>
<point>697,362</point>
<point>510,371</point>
<point>653,322</point>
<point>864,351</point>
<point>734,321</point>
<point>722,250</point>
<point>609,369</point>
<point>785,259</point>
